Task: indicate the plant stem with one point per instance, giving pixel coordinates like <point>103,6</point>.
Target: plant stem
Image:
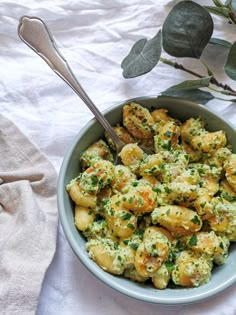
<point>213,79</point>
<point>210,73</point>
<point>224,92</point>
<point>213,89</point>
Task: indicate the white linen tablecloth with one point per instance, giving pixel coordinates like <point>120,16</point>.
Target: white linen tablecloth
<point>94,36</point>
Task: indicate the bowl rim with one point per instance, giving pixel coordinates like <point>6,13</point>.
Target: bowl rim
<point>88,263</point>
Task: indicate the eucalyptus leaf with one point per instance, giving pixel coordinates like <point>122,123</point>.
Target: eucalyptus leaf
<point>143,57</point>
<point>197,95</point>
<point>209,71</point>
<point>220,42</point>
<point>221,11</point>
<point>218,3</point>
<point>187,30</point>
<point>192,84</point>
<point>230,66</point>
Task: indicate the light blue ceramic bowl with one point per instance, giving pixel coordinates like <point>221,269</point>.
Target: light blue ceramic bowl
<point>222,277</point>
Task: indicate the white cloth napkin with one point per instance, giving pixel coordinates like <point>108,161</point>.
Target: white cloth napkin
<point>28,220</point>
<point>94,36</point>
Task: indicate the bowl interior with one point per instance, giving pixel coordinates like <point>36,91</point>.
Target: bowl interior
<point>222,277</point>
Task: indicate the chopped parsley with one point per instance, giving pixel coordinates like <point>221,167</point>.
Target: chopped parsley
<point>103,234</point>
<point>167,190</point>
<point>168,133</point>
<point>169,265</point>
<point>94,180</point>
<point>116,245</point>
<point>196,220</point>
<point>221,245</point>
<point>157,190</point>
<point>228,197</point>
<point>193,240</point>
<point>131,226</point>
<point>166,144</point>
<point>126,216</point>
<point>140,233</point>
<point>134,246</point>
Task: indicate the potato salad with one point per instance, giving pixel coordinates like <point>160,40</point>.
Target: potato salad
<point>167,218</point>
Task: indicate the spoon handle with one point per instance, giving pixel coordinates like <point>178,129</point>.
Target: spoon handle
<point>34,32</point>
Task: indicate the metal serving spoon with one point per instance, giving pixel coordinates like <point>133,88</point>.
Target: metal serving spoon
<point>35,33</point>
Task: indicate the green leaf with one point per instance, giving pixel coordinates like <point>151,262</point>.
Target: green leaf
<point>143,57</point>
<point>230,66</point>
<point>189,90</point>
<point>192,84</point>
<point>187,30</point>
<point>218,3</point>
<point>197,95</point>
<point>221,11</point>
<point>220,42</point>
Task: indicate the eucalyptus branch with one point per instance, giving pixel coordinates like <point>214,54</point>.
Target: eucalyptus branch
<point>225,87</point>
<point>181,67</point>
<point>213,80</point>
<point>181,38</point>
<point>210,73</point>
<point>222,92</point>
